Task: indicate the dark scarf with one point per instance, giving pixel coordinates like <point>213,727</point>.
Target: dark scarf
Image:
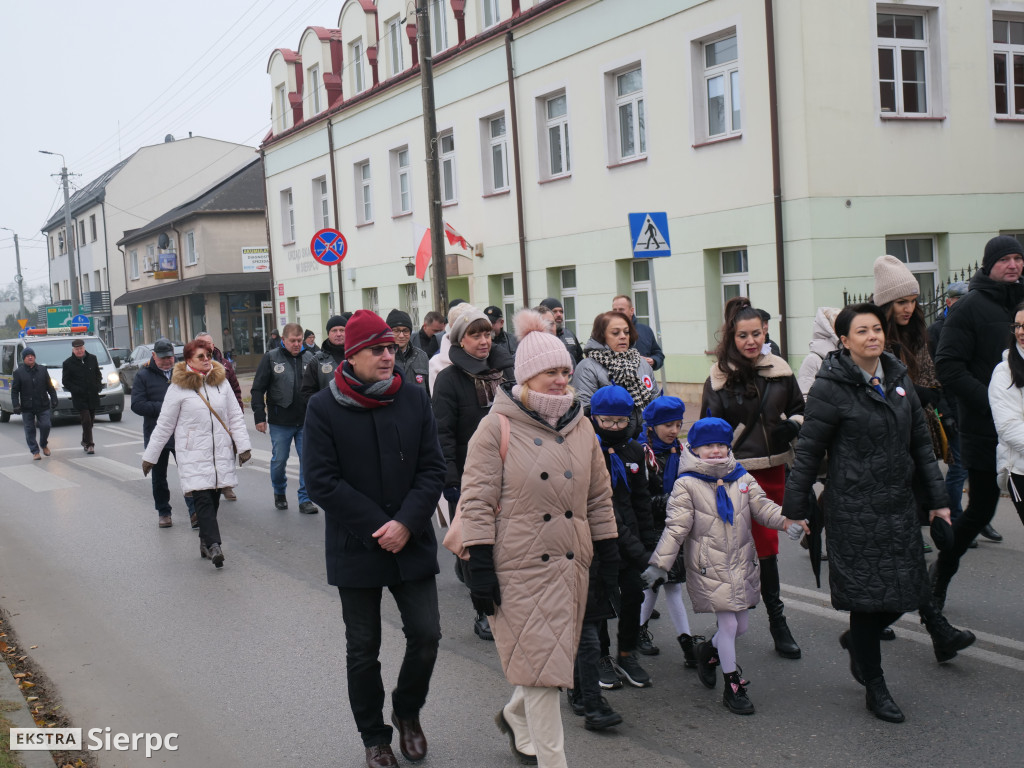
<point>373,395</point>
<point>486,380</point>
<point>671,463</point>
<point>622,370</point>
<point>722,500</point>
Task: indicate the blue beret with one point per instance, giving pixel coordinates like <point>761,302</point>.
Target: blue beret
<point>664,409</point>
<point>611,401</point>
<point>709,430</point>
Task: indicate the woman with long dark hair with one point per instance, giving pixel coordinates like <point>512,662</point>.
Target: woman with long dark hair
<point>758,395</point>
<point>1006,396</point>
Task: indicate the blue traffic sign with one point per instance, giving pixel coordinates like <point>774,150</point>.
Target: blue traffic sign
<point>648,233</point>
<point>328,247</point>
<point>79,320</point>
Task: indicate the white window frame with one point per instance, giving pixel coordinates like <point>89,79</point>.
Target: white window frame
<point>508,297</point>
<point>133,258</point>
<point>446,163</point>
<point>191,256</point>
<point>287,216</point>
<point>396,53</point>
<point>282,106</point>
<point>92,227</point>
<point>495,147</point>
<point>313,88</point>
<point>371,297</point>
<point>321,211</point>
<point>401,181</point>
<point>555,160</point>
<point>363,174</point>
<point>568,283</point>
<point>409,300</point>
<point>637,103</point>
<point>734,282</point>
<point>60,241</point>
<point>437,10</point>
<point>898,46</point>
<point>732,89</point>
<point>356,63</point>
<point>640,284</point>
<point>81,232</point>
<point>1009,50</point>
<point>490,13</point>
<point>85,284</point>
<point>897,246</point>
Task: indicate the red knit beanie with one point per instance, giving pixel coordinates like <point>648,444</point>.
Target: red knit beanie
<point>366,329</point>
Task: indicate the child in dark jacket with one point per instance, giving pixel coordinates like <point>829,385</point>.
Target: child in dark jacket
<point>610,410</point>
<point>663,421</point>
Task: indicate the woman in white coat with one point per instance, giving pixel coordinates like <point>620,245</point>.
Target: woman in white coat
<point>202,414</point>
<point>1006,397</point>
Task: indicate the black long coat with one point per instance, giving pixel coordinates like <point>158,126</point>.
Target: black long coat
<point>81,377</point>
<point>148,391</point>
<point>874,446</point>
<point>365,467</point>
<point>976,331</point>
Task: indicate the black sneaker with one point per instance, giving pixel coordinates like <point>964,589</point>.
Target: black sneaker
<point>607,675</point>
<point>631,671</point>
<point>308,508</point>
<point>280,501</point>
<point>645,642</point>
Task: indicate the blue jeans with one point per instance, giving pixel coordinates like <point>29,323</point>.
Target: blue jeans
<point>421,624</point>
<point>955,477</point>
<point>281,437</point>
<point>30,421</point>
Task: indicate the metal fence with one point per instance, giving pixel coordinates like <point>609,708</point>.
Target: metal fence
<point>932,305</point>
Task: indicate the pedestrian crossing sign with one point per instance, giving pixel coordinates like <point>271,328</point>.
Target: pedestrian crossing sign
<point>649,234</point>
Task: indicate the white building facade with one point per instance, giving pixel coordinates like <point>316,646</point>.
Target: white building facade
<point>899,130</point>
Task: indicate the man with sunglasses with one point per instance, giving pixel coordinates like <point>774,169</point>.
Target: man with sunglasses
<point>278,407</point>
<point>373,462</point>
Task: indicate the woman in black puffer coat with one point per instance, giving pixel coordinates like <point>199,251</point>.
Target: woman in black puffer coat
<point>875,441</point>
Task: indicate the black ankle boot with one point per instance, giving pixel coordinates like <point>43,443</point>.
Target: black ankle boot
<point>880,702</point>
<point>946,639</point>
<point>771,589</point>
<point>600,717</point>
<point>939,584</point>
<point>689,645</point>
<point>645,642</point>
<point>735,695</point>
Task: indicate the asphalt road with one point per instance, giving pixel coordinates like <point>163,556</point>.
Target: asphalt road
<point>247,663</point>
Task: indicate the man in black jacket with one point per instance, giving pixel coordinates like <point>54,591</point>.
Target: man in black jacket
<point>570,341</point>
<point>81,377</point>
<point>320,370</point>
<point>412,360</point>
<point>972,343</point>
<point>276,398</point>
<point>375,466</point>
<point>428,338</point>
<point>646,344</point>
<point>33,396</point>
<point>148,391</point>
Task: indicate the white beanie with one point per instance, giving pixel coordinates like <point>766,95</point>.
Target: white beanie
<point>538,349</point>
<point>893,280</point>
<point>465,316</point>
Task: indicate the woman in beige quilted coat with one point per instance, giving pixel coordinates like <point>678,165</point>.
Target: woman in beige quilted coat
<point>712,503</point>
<point>531,527</point>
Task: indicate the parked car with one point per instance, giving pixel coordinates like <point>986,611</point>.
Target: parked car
<point>51,352</point>
<point>141,355</point>
<point>119,354</point>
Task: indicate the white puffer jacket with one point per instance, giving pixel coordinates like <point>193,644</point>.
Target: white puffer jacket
<point>823,341</point>
<point>202,447</point>
<point>1007,402</point>
<point>721,563</point>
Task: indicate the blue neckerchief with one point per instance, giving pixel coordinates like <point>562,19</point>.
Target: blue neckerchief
<point>722,500</point>
<point>617,468</point>
<point>661,448</point>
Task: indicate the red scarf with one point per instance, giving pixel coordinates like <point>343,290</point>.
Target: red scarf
<point>355,390</point>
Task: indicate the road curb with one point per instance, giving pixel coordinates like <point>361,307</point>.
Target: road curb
<point>21,718</point>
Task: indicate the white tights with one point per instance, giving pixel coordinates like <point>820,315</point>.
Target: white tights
<point>731,625</point>
<point>673,603</point>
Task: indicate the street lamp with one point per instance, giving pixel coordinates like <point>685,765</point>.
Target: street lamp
<point>410,268</point>
<point>72,275</point>
<point>22,315</point>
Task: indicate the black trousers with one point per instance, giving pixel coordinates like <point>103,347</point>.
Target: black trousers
<point>207,501</point>
<point>586,680</point>
<point>979,513</point>
<point>88,417</point>
<point>421,624</point>
<point>631,592</point>
<point>865,642</point>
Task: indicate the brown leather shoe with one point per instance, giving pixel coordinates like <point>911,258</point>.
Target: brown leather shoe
<point>411,740</point>
<point>165,521</point>
<point>380,757</point>
<point>46,451</point>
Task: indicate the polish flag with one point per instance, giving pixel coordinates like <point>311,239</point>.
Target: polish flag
<point>423,252</point>
<point>454,238</point>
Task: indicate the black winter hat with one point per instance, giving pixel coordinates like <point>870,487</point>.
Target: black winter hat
<point>551,304</point>
<point>398,318</point>
<point>27,351</point>
<point>493,313</point>
<point>996,248</point>
<point>335,321</point>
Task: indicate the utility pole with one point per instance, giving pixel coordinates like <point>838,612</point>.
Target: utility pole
<point>76,299</point>
<point>438,262</point>
<point>18,277</point>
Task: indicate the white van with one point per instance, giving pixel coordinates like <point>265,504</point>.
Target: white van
<point>51,352</point>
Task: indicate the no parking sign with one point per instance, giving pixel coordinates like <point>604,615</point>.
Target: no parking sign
<point>328,247</point>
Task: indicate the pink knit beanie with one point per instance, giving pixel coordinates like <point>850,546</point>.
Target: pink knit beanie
<point>893,280</point>
<point>538,350</point>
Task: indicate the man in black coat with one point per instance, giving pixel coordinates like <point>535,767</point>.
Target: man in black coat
<point>646,344</point>
<point>973,339</point>
<point>375,466</point>
<point>428,337</point>
<point>320,371</point>
<point>33,396</point>
<point>148,391</point>
<point>81,377</point>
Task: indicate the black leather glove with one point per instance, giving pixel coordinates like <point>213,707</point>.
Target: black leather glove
<point>483,581</point>
<point>452,493</point>
<point>785,432</point>
<point>17,411</point>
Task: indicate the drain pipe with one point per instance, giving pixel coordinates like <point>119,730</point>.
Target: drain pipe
<point>780,254</point>
<point>515,161</point>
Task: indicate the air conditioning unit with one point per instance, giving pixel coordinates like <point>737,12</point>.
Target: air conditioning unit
<point>149,264</point>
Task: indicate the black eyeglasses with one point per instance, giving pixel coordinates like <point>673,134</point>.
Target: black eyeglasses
<point>1016,327</point>
<point>378,351</point>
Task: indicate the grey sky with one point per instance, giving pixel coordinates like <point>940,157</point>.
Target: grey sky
<point>96,81</point>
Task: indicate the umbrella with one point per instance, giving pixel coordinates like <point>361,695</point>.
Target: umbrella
<point>816,522</point>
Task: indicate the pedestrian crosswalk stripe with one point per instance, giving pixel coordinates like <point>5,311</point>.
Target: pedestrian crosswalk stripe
<point>109,467</point>
<point>37,479</point>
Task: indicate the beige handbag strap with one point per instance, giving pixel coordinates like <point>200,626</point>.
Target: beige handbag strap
<point>217,415</point>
